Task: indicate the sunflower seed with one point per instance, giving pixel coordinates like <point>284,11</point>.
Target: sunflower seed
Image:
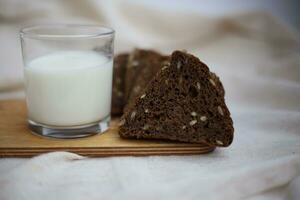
<point>203,118</point>
<point>122,122</point>
<point>212,82</point>
<point>132,114</point>
<point>220,110</point>
<point>219,142</point>
<point>193,122</point>
<point>194,114</point>
<point>178,65</point>
<point>198,86</point>
<point>145,127</point>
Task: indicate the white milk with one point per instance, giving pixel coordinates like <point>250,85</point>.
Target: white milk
<point>69,88</point>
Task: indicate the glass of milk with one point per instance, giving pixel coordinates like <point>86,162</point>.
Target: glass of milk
<point>68,79</point>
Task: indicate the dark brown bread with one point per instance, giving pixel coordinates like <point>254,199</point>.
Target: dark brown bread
<point>141,68</point>
<point>182,102</point>
<point>118,89</point>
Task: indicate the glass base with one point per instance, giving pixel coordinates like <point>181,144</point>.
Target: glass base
<point>69,132</point>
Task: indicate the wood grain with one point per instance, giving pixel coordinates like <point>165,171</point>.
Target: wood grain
<point>16,140</point>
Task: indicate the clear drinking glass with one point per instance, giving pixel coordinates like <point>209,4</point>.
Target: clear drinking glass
<point>68,79</point>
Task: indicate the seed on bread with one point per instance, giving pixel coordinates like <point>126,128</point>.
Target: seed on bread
<point>193,122</point>
<point>164,67</point>
<point>143,96</point>
<point>194,114</point>
<point>219,142</point>
<point>122,122</point>
<point>179,65</point>
<point>198,85</point>
<point>146,127</point>
<point>220,110</point>
<point>132,114</point>
<point>203,118</point>
<point>212,82</point>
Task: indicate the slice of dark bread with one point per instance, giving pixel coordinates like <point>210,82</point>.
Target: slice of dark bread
<point>182,102</point>
<point>141,65</point>
<point>118,89</point>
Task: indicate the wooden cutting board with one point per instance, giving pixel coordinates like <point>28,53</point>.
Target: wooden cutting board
<point>16,140</point>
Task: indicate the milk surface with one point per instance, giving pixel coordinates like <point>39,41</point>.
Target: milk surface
<point>69,88</point>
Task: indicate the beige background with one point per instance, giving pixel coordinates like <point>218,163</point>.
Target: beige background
<point>257,58</point>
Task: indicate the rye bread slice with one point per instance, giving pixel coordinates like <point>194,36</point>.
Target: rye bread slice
<point>183,102</point>
<point>118,89</point>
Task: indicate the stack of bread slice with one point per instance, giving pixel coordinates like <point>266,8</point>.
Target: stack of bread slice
<point>172,97</point>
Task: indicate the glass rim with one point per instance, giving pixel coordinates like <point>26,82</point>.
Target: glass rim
<point>28,31</point>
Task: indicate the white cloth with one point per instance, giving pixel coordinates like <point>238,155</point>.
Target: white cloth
<point>258,61</point>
